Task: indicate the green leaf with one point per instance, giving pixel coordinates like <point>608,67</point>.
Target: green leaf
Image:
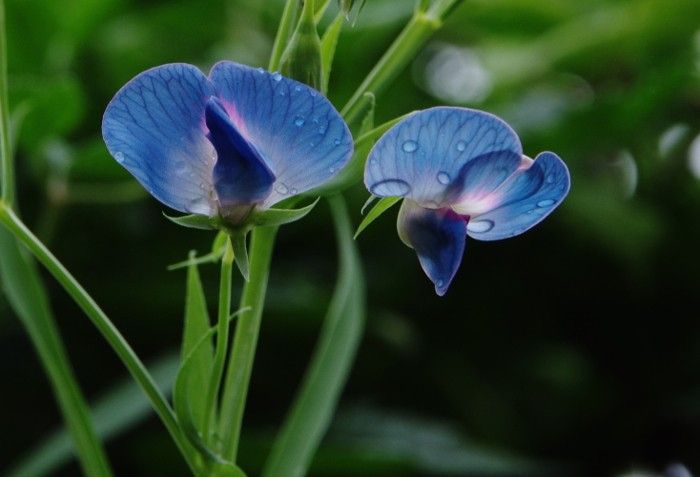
<point>328,45</point>
<point>275,217</point>
<point>119,409</point>
<point>26,294</point>
<point>197,325</point>
<point>194,221</point>
<point>368,121</point>
<point>317,399</point>
<point>379,208</point>
<point>186,397</point>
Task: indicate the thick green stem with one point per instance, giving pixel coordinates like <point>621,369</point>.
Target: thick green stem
<point>104,326</point>
<point>283,32</point>
<point>421,26</point>
<point>221,340</point>
<point>7,178</point>
<point>240,363</point>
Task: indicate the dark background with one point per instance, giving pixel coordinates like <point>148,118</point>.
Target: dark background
<point>570,350</point>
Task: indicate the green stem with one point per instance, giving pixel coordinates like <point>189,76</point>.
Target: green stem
<point>104,326</point>
<point>221,339</point>
<point>421,26</point>
<point>7,179</point>
<point>245,341</point>
<point>283,31</point>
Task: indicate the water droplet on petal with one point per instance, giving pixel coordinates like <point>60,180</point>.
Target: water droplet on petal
<point>276,76</point>
<point>391,188</point>
<point>119,157</point>
<point>293,191</point>
<point>281,189</point>
<point>545,203</point>
<point>260,70</point>
<point>336,142</point>
<point>480,226</point>
<point>410,146</point>
<point>439,283</point>
<point>322,129</point>
<point>550,178</point>
<point>299,121</point>
<point>461,146</point>
<point>443,177</point>
<point>297,88</point>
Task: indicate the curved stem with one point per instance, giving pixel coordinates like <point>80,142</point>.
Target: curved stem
<point>221,340</point>
<point>245,341</point>
<point>104,326</point>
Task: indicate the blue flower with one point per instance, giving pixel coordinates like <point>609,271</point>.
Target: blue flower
<point>461,172</point>
<point>222,145</point>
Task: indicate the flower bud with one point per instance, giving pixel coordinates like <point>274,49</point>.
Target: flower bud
<point>301,59</point>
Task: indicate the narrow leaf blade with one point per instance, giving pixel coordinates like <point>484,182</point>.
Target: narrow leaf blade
<point>379,208</point>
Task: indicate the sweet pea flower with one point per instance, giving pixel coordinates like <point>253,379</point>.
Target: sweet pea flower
<point>461,172</point>
<point>239,140</point>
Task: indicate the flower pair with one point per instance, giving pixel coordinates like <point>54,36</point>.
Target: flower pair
<point>233,144</point>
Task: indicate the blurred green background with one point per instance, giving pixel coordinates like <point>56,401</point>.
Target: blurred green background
<point>571,350</point>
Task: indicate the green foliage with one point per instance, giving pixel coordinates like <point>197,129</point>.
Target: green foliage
<point>317,399</point>
<point>384,204</point>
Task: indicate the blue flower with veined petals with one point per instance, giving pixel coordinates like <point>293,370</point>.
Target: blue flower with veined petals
<point>222,145</point>
<point>461,172</point>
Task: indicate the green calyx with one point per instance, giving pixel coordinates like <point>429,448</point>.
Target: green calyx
<point>238,232</point>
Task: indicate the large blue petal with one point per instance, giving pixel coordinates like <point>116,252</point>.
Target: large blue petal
<point>524,200</point>
<point>423,154</point>
<point>241,176</point>
<point>438,237</point>
<point>298,132</point>
<point>154,127</point>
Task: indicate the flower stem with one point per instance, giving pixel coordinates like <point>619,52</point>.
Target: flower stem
<point>221,340</point>
<point>104,326</point>
<point>283,32</point>
<point>245,341</point>
<point>421,26</point>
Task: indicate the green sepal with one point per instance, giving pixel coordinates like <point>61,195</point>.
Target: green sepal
<point>275,217</point>
<point>379,208</point>
<point>240,252</point>
<point>195,221</point>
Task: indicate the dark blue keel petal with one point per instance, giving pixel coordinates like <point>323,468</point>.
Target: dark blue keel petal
<point>241,176</point>
<point>294,127</point>
<point>438,237</point>
<point>154,127</point>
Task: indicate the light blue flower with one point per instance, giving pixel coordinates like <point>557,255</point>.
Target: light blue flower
<point>222,145</point>
<point>461,172</point>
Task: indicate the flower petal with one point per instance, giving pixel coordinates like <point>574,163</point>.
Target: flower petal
<point>240,174</point>
<point>154,127</point>
<point>473,192</point>
<point>298,132</point>
<point>423,154</point>
<point>524,200</point>
<point>438,237</point>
